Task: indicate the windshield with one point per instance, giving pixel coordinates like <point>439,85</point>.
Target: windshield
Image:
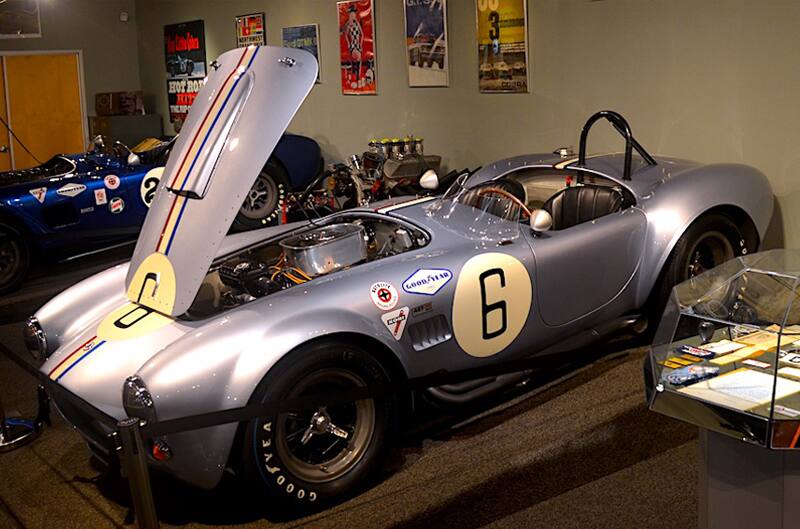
<point>489,211</point>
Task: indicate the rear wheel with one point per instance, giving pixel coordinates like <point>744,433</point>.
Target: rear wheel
<point>263,205</point>
<point>710,241</point>
<point>14,259</point>
<point>314,457</point>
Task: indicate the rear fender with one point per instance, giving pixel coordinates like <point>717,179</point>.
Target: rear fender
<point>682,198</point>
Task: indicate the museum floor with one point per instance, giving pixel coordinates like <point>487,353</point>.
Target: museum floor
<point>577,451</point>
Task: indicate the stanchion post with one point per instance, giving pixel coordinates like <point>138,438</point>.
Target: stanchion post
<point>133,460</point>
<point>3,427</point>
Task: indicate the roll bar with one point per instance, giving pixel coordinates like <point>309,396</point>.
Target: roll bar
<point>624,129</point>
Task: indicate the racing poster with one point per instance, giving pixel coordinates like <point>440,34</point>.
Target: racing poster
<point>250,30</point>
<point>19,19</point>
<point>426,42</point>
<point>502,46</point>
<point>303,37</point>
<point>185,54</point>
<point>357,46</point>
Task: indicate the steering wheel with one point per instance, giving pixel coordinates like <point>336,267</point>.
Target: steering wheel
<point>505,194</point>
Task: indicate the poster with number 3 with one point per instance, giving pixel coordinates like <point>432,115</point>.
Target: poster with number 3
<point>502,46</point>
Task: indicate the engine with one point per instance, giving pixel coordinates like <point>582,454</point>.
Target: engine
<point>301,257</point>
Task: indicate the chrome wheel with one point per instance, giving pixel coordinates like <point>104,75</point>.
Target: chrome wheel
<point>324,444</point>
<point>711,249</point>
<point>264,199</point>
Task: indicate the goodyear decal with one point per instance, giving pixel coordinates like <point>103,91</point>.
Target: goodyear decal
<point>427,281</point>
<point>75,358</point>
<point>193,153</point>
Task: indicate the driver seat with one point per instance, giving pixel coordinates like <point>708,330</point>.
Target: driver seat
<point>574,205</point>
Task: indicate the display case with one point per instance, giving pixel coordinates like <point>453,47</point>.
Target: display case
<point>726,355</point>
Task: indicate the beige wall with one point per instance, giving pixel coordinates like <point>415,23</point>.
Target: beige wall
<point>110,56</point>
<point>699,79</point>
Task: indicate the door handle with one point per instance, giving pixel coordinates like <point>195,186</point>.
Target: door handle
<point>3,148</point>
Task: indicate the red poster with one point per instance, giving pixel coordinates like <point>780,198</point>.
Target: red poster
<point>357,46</point>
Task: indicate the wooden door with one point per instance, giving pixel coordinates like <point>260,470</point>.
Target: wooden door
<point>5,137</point>
<point>44,106</point>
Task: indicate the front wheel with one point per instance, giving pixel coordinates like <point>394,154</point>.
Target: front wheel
<point>322,455</point>
<point>14,259</point>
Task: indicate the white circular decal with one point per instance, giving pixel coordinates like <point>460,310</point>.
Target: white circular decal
<point>491,303</point>
<point>149,185</point>
<point>383,295</point>
<point>111,181</point>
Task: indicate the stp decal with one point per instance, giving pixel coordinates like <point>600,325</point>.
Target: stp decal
<point>71,190</point>
<point>383,295</point>
<point>100,197</point>
<point>111,181</point>
<point>421,309</point>
<point>395,321</point>
<point>147,190</point>
<point>491,303</point>
<point>39,193</point>
<point>116,205</point>
<point>427,281</point>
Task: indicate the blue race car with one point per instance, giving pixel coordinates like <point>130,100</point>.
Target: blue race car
<point>83,203</point>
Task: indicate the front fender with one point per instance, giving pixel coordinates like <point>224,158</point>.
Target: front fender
<point>69,313</point>
<point>219,365</point>
<point>680,199</point>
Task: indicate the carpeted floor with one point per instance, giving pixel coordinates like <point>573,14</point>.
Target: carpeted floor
<point>579,451</point>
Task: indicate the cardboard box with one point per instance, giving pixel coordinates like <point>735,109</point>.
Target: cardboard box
<point>118,103</point>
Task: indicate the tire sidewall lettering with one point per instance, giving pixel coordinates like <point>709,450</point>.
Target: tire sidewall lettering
<point>270,464</point>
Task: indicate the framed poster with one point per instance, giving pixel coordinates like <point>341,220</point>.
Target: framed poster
<point>357,46</point>
<point>305,37</point>
<point>19,19</point>
<point>250,30</point>
<point>185,54</point>
<point>426,42</point>
<point>502,46</point>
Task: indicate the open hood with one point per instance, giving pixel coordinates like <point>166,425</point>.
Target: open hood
<point>237,118</point>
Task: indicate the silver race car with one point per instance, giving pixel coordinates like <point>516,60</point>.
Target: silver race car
<point>528,256</point>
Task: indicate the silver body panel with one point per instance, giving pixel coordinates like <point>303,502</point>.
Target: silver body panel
<point>555,285</point>
<point>244,106</point>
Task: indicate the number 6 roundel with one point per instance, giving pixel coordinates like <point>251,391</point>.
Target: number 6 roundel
<point>491,303</point>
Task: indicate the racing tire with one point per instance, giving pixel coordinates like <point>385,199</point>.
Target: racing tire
<point>710,241</point>
<point>304,459</point>
<point>263,205</point>
<point>14,258</point>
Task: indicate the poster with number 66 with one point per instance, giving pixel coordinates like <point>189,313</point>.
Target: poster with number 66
<point>502,45</point>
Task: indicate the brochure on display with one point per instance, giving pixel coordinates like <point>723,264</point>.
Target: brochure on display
<point>737,373</point>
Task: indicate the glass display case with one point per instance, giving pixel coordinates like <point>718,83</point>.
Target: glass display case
<point>726,355</point>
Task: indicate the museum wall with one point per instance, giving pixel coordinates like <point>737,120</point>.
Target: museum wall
<point>110,55</point>
<point>710,81</point>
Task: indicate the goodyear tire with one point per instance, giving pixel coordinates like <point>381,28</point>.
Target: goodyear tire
<point>307,459</point>
<point>14,258</point>
<point>710,241</point>
<point>263,205</point>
